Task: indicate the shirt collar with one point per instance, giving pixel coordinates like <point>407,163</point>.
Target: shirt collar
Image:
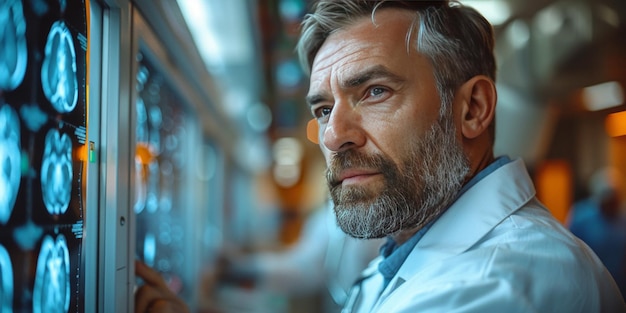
<point>394,255</point>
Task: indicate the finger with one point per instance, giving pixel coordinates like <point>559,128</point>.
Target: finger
<point>163,306</point>
<point>149,275</point>
<point>144,296</point>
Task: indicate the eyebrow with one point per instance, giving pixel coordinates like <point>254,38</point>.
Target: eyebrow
<point>314,99</point>
<point>377,71</point>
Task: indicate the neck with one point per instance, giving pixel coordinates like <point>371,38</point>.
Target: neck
<point>484,162</point>
<point>404,235</point>
<point>478,163</point>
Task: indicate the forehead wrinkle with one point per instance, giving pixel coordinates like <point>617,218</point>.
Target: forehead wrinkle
<point>331,70</point>
<point>317,92</point>
<point>327,70</point>
<point>374,72</point>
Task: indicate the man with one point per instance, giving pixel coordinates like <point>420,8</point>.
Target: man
<point>405,100</point>
<point>404,96</point>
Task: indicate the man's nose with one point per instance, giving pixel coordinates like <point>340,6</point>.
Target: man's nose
<point>343,130</point>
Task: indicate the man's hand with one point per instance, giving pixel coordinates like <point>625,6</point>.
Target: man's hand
<point>154,296</point>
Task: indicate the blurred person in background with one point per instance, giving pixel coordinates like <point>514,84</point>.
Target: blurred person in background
<point>404,95</point>
<point>600,222</point>
<point>324,261</point>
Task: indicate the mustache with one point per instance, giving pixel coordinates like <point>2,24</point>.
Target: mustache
<point>347,159</point>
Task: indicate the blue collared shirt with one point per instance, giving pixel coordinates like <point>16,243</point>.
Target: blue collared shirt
<point>395,255</point>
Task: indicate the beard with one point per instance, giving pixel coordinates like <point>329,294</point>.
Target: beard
<point>414,192</point>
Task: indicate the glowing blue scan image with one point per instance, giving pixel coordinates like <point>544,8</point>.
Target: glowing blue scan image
<point>6,282</point>
<point>58,72</point>
<point>34,118</point>
<point>27,235</point>
<point>143,75</point>
<point>167,186</point>
<point>141,136</point>
<point>155,116</point>
<point>39,7</point>
<point>142,121</point>
<point>63,5</point>
<point>154,181</point>
<point>12,44</point>
<point>10,161</point>
<point>56,172</point>
<point>149,249</point>
<point>51,293</point>
<point>141,188</point>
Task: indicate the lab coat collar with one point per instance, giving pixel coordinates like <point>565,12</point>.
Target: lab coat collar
<point>467,220</point>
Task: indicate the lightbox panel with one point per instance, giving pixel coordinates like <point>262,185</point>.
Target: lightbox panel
<point>42,155</point>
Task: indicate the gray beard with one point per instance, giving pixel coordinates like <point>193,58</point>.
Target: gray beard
<point>431,176</point>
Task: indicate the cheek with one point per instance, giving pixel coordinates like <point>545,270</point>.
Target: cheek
<point>398,139</point>
<point>390,132</point>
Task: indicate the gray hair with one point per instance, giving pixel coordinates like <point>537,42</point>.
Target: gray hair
<point>456,39</point>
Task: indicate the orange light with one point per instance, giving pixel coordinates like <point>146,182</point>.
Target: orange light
<point>144,153</point>
<point>615,124</point>
<point>553,180</point>
<point>312,131</point>
<point>81,153</point>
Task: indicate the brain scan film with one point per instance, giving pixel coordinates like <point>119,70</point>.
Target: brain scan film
<point>6,282</point>
<point>51,293</point>
<point>44,156</point>
<point>12,44</point>
<point>56,172</point>
<point>58,72</point>
<point>9,161</point>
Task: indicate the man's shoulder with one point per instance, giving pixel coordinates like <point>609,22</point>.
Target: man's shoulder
<point>529,235</point>
<point>527,259</point>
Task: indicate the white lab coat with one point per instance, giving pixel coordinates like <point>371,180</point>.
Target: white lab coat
<point>496,249</point>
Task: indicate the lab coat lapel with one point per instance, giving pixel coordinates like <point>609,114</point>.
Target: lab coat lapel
<point>473,215</point>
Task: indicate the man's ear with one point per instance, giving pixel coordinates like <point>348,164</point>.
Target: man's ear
<point>478,105</point>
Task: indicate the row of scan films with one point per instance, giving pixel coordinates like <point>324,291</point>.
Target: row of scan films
<point>42,126</point>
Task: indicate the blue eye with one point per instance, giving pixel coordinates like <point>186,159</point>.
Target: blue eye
<point>377,91</point>
<point>322,112</point>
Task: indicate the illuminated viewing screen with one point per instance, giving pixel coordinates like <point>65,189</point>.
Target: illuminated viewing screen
<point>42,166</point>
<point>160,166</point>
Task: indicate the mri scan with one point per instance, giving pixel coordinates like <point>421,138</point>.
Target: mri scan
<point>56,172</point>
<point>58,72</point>
<point>10,160</point>
<point>51,293</point>
<point>43,131</point>
<point>12,44</point>
<point>6,282</point>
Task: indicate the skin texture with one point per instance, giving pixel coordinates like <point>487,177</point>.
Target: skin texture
<point>373,95</point>
<point>155,296</point>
